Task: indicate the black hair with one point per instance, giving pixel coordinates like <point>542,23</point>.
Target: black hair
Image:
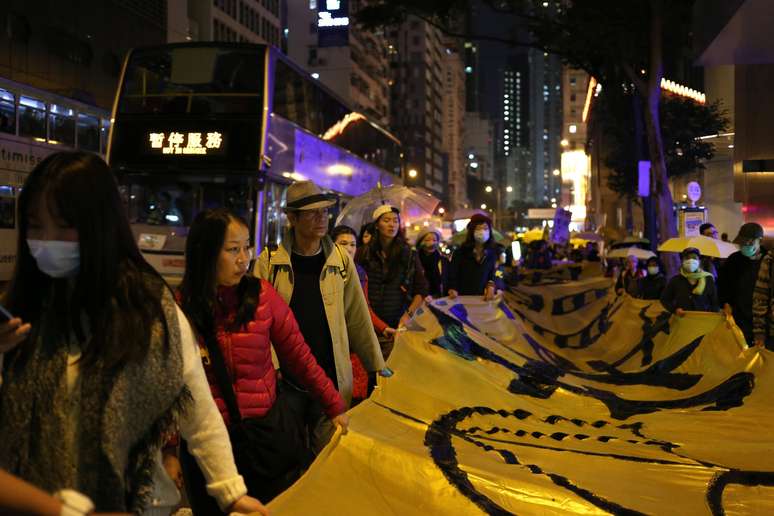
<point>653,259</point>
<point>399,252</point>
<point>342,230</point>
<point>470,236</point>
<point>690,250</point>
<point>366,228</point>
<point>117,290</point>
<point>198,290</point>
<point>704,226</point>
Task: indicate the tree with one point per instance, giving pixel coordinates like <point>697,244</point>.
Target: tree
<point>610,39</point>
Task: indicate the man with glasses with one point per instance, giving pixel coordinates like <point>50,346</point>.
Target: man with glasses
<point>736,281</point>
<point>320,283</point>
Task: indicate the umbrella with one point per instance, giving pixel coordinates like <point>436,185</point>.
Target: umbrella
<point>533,234</point>
<point>707,246</point>
<point>466,213</point>
<point>459,238</point>
<point>635,240</point>
<point>413,203</point>
<point>624,252</point>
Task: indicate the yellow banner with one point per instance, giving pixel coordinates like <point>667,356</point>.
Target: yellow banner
<point>560,398</point>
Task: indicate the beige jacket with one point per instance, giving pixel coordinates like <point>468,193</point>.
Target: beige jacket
<point>345,306</point>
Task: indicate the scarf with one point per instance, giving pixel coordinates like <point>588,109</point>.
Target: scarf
<point>125,416</point>
<point>696,278</point>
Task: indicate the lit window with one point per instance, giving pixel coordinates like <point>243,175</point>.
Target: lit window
<point>573,128</point>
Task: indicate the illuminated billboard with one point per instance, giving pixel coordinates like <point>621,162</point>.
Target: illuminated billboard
<point>333,23</point>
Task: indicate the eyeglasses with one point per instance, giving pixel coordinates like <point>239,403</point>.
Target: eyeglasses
<point>318,213</point>
<point>237,250</point>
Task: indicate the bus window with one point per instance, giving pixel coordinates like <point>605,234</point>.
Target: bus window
<point>198,80</point>
<point>32,118</point>
<point>61,125</point>
<point>7,112</point>
<point>88,132</point>
<point>276,220</point>
<point>7,207</point>
<point>104,132</point>
<point>294,98</point>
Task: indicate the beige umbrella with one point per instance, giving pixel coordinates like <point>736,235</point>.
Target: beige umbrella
<point>707,246</point>
<point>624,252</point>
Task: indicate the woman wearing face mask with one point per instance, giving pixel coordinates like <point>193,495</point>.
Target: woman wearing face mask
<point>346,238</point>
<point>692,288</point>
<point>105,364</point>
<point>652,285</point>
<point>435,265</point>
<point>473,270</point>
<point>396,280</point>
<point>239,317</point>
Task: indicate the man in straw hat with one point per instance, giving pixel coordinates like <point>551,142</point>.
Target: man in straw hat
<point>319,282</point>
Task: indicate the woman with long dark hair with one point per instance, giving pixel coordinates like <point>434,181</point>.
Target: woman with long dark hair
<point>239,318</point>
<point>474,267</point>
<point>107,368</point>
<point>396,279</point>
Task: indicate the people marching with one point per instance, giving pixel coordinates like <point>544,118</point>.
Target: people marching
<point>228,386</point>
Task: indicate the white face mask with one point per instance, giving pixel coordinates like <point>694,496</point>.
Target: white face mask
<point>690,265</point>
<point>653,270</point>
<point>56,258</point>
<point>481,235</point>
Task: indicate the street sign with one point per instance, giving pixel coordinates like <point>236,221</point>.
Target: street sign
<point>541,213</point>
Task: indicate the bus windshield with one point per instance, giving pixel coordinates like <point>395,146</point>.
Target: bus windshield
<point>194,80</point>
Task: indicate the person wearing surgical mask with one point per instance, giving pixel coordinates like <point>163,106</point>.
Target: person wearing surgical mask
<point>736,280</point>
<point>435,264</point>
<point>97,333</point>
<point>692,288</point>
<point>652,285</point>
<point>474,270</point>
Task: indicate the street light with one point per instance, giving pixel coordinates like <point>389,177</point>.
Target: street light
<point>483,206</point>
<point>509,189</point>
<point>441,211</point>
<point>412,173</point>
<point>488,189</point>
<point>556,172</point>
<point>564,142</point>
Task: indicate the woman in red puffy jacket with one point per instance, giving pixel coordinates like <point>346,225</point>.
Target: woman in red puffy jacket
<point>244,316</point>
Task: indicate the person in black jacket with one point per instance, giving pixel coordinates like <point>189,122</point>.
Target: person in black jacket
<point>736,280</point>
<point>692,288</point>
<point>652,285</point>
<point>396,280</point>
<point>436,266</point>
<point>474,266</point>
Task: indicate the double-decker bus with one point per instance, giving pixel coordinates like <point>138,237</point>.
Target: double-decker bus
<point>200,125</point>
<point>33,124</point>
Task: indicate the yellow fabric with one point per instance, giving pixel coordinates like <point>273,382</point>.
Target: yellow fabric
<point>594,420</point>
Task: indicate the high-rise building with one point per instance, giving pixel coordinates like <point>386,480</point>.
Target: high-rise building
<point>417,101</point>
<point>237,21</point>
<point>577,91</point>
<point>514,156</point>
<point>352,62</point>
<point>452,136</point>
<point>545,125</point>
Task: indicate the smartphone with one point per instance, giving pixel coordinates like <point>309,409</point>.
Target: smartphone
<point>5,315</point>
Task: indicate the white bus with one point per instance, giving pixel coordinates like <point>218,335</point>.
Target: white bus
<point>33,124</point>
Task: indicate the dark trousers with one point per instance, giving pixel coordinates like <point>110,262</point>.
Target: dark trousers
<point>263,488</point>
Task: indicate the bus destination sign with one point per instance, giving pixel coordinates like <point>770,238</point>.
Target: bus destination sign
<point>190,143</point>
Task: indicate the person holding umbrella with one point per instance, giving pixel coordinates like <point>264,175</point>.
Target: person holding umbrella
<point>473,270</point>
<point>692,288</point>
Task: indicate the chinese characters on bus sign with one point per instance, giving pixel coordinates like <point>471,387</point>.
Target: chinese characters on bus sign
<point>186,143</point>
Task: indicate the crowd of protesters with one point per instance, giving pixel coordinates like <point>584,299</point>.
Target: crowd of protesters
<point>117,391</point>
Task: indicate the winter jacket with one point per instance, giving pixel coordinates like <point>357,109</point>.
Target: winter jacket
<point>247,354</point>
<point>379,325</point>
<point>469,277</point>
<point>345,306</point>
<point>629,282</point>
<point>736,284</point>
<point>679,294</point>
<point>651,286</point>
<point>390,297</point>
<point>763,300</point>
<point>436,268</point>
